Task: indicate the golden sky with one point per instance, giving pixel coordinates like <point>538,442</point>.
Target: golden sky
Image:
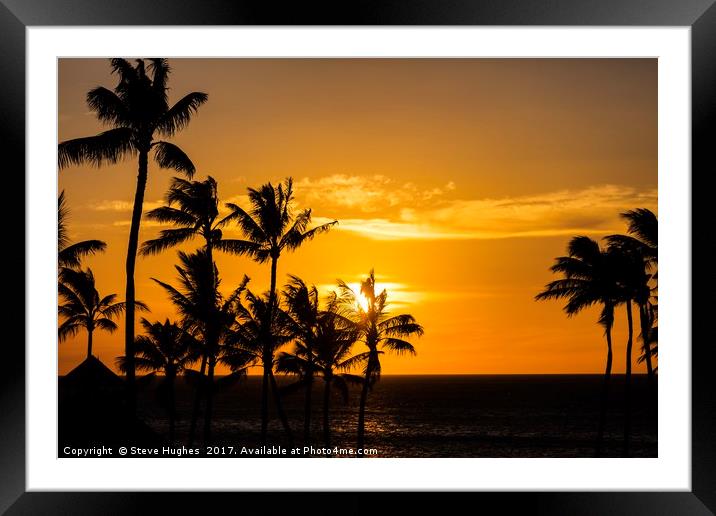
<point>458,180</point>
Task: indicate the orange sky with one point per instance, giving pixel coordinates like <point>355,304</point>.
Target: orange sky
<point>459,180</point>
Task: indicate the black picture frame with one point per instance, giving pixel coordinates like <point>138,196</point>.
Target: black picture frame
<point>699,15</point>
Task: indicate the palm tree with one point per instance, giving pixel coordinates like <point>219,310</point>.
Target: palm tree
<point>270,227</point>
<point>378,332</point>
<point>69,254</point>
<point>589,279</point>
<point>633,279</point>
<point>138,112</point>
<point>204,313</point>
<point>302,308</point>
<point>84,308</point>
<point>165,348</point>
<point>331,340</point>
<point>260,334</point>
<point>642,244</point>
<point>192,207</point>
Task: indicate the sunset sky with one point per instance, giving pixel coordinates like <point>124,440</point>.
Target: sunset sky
<point>458,180</point>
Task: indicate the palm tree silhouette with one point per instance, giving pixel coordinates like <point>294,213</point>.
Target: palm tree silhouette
<point>165,348</point>
<point>138,111</point>
<point>378,332</point>
<point>590,278</point>
<point>69,254</point>
<point>270,227</point>
<point>331,338</point>
<point>83,308</point>
<point>261,331</point>
<point>192,207</point>
<point>204,313</point>
<point>633,279</point>
<point>302,308</point>
<point>642,244</point>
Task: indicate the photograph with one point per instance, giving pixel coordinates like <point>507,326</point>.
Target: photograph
<point>357,257</point>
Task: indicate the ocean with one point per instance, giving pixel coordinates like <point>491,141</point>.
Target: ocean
<point>440,416</point>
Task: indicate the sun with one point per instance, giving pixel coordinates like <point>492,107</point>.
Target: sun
<point>362,303</point>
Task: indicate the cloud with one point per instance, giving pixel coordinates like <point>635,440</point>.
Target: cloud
<point>145,224</point>
<point>115,205</point>
<point>368,194</point>
<point>592,210</point>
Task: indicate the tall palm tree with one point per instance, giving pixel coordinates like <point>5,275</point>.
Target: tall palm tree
<point>165,348</point>
<point>641,243</point>
<point>270,227</point>
<point>261,332</point>
<point>378,332</point>
<point>633,279</point>
<point>204,313</point>
<point>83,308</point>
<point>590,278</point>
<point>331,340</point>
<point>192,208</point>
<point>303,310</point>
<point>70,254</point>
<point>138,112</point>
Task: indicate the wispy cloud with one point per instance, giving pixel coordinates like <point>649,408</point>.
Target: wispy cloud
<point>367,194</point>
<point>145,223</point>
<point>591,210</point>
<point>118,206</point>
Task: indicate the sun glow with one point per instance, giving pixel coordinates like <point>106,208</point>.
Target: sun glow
<point>398,294</point>
<point>362,302</point>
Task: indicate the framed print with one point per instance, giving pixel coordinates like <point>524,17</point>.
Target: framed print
<point>422,240</point>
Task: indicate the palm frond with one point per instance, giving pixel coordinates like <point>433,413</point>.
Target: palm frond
<point>108,147</point>
<point>294,239</point>
<point>106,325</point>
<point>169,215</point>
<point>69,328</point>
<point>159,67</point>
<point>168,155</point>
<point>72,255</point>
<point>243,247</point>
<point>168,238</point>
<point>63,211</point>
<point>179,115</point>
<point>643,224</point>
<point>354,361</point>
<point>251,228</point>
<point>108,107</point>
<point>401,325</point>
<point>399,346</point>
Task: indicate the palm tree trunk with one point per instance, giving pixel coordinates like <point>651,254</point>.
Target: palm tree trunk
<point>89,342</point>
<point>279,408</point>
<point>210,351</point>
<point>363,401</point>
<point>326,411</point>
<point>627,386</point>
<point>267,356</point>
<point>307,400</point>
<point>264,399</point>
<point>272,292</point>
<point>197,401</point>
<point>172,407</point>
<point>605,393</point>
<point>129,270</point>
<point>209,400</point>
<point>268,366</point>
<point>645,330</point>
